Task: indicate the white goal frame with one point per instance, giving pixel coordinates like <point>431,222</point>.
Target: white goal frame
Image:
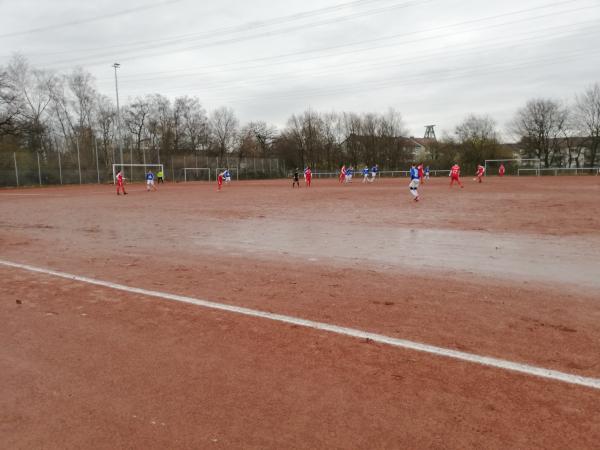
<point>231,169</point>
<point>185,169</point>
<point>557,170</point>
<point>538,160</point>
<point>114,167</point>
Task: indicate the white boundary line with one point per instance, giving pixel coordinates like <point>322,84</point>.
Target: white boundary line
<point>402,343</point>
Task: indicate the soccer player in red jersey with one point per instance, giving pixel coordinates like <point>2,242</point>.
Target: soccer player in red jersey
<point>120,183</point>
<point>501,170</point>
<point>307,176</point>
<point>455,175</point>
<point>480,172</point>
<point>342,174</point>
<point>219,181</point>
<point>420,172</point>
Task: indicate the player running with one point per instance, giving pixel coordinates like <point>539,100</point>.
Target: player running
<point>374,171</point>
<point>220,180</point>
<point>414,182</point>
<point>427,173</point>
<point>455,175</point>
<point>349,173</point>
<point>479,174</point>
<point>227,176</point>
<point>365,173</point>
<point>501,170</point>
<point>121,183</point>
<point>150,182</point>
<point>342,177</point>
<point>296,179</point>
<point>421,173</point>
<point>307,176</point>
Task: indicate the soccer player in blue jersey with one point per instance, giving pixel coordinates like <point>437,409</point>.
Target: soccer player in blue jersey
<point>227,176</point>
<point>374,171</point>
<point>427,173</point>
<point>365,173</point>
<point>150,181</point>
<point>349,173</point>
<point>414,182</point>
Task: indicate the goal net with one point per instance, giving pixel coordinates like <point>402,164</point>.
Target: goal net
<point>135,172</point>
<point>511,166</point>
<point>196,174</point>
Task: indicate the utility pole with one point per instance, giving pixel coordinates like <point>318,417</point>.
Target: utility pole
<point>116,66</point>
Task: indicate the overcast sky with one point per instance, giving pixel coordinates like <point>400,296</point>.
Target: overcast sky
<point>434,61</point>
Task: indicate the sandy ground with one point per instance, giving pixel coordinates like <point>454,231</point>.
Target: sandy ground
<point>509,268</point>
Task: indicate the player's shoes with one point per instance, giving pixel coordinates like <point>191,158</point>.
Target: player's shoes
<point>417,198</point>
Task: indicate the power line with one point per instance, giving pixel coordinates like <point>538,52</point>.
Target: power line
<point>391,37</point>
<point>72,23</point>
<point>230,40</point>
<point>419,79</point>
<point>387,60</point>
<point>465,75</point>
<point>246,26</point>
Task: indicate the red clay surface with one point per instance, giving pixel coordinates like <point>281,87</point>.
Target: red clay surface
<point>508,269</point>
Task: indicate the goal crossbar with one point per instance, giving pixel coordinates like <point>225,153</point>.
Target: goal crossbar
<point>518,160</point>
<point>114,168</point>
<point>185,171</point>
<point>556,170</point>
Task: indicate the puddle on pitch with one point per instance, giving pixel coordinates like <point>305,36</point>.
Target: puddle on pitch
<point>523,257</point>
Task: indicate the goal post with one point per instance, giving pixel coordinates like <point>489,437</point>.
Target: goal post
<point>137,172</point>
<point>196,174</point>
<point>513,165</point>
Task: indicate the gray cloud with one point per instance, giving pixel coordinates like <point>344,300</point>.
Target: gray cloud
<point>434,61</point>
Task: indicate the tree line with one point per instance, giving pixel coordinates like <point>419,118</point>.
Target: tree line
<point>42,112</point>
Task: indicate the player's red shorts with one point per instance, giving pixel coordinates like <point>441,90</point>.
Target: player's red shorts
<point>453,177</point>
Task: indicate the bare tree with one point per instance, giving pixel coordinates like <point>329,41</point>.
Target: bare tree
<point>256,140</point>
<point>81,84</point>
<point>160,125</point>
<point>359,136</point>
<point>9,106</point>
<point>104,118</point>
<point>223,130</point>
<point>134,118</point>
<point>32,88</point>
<point>478,139</point>
<point>60,110</point>
<point>587,114</point>
<point>539,125</point>
<point>389,131</point>
<point>294,134</point>
<point>332,137</point>
<point>190,123</point>
<point>306,134</point>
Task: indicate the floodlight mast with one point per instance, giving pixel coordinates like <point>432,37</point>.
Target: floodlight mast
<point>116,66</point>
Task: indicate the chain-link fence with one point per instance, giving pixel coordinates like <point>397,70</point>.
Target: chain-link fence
<point>55,168</point>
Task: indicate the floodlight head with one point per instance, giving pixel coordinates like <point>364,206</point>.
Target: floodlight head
<point>116,65</point>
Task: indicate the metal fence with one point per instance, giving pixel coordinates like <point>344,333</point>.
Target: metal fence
<point>381,174</point>
<point>555,171</point>
<point>55,168</point>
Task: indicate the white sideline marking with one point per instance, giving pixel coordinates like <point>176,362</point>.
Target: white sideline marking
<point>439,351</point>
<point>16,194</point>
